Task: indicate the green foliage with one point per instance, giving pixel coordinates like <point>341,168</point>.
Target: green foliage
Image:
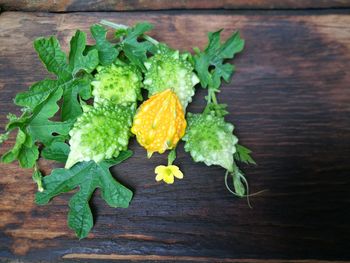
<point>107,52</point>
<point>24,151</point>
<point>243,155</point>
<point>209,63</point>
<point>216,109</point>
<point>40,102</point>
<point>67,80</point>
<point>56,151</point>
<point>87,176</point>
<point>98,135</point>
<point>238,185</point>
<point>209,139</point>
<point>135,50</point>
<point>168,69</point>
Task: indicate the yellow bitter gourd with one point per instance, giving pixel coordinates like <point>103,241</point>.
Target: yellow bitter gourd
<point>159,122</point>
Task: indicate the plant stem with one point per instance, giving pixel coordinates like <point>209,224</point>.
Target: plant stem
<point>121,26</point>
<point>113,25</point>
<point>171,156</point>
<point>150,39</point>
<point>213,97</point>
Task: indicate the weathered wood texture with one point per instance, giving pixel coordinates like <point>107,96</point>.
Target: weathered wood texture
<point>289,100</point>
<point>127,5</point>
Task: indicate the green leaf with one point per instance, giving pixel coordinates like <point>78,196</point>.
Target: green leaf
<point>217,109</point>
<point>209,63</point>
<point>56,62</point>
<point>51,54</point>
<point>71,107</point>
<point>37,93</point>
<point>243,155</point>
<point>12,154</point>
<point>238,185</point>
<point>24,150</point>
<point>36,127</point>
<point>87,176</point>
<point>56,151</point>
<point>40,102</point>
<point>28,156</point>
<point>42,129</point>
<point>135,50</point>
<point>107,53</point>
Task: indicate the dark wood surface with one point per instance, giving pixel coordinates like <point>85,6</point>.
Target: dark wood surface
<point>290,102</point>
<point>127,5</point>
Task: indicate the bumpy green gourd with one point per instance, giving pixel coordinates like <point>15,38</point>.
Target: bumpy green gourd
<point>100,133</point>
<point>209,139</point>
<point>117,84</point>
<point>167,69</point>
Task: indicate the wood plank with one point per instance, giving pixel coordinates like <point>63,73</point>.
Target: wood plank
<point>289,100</point>
<point>127,5</point>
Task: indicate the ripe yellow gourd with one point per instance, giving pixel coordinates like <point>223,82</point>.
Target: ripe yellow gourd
<point>159,122</point>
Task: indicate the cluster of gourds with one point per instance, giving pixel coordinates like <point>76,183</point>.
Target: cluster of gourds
<point>170,79</point>
<point>98,133</point>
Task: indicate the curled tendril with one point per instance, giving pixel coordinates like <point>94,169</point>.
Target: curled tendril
<point>241,177</point>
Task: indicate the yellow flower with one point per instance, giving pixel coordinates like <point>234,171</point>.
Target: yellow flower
<point>167,173</point>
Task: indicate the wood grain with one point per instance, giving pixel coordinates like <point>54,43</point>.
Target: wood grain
<point>289,100</point>
<point>128,5</point>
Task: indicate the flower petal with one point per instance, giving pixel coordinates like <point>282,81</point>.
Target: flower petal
<point>176,171</point>
<point>169,179</point>
<point>160,169</point>
<point>159,177</point>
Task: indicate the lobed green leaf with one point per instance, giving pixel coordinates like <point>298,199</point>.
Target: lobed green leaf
<point>107,53</point>
<point>87,176</point>
<point>209,64</point>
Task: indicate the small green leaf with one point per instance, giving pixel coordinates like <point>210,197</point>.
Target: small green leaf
<point>217,109</point>
<point>107,53</point>
<point>209,63</point>
<point>243,155</point>
<point>238,185</point>
<point>12,154</point>
<point>37,178</point>
<point>136,50</point>
<point>24,150</point>
<point>87,176</point>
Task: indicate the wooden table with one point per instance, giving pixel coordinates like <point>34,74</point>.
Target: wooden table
<point>289,100</point>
